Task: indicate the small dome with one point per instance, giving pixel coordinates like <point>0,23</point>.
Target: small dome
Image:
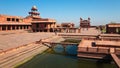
<point>34,8</point>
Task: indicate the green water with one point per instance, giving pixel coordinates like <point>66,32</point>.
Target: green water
<point>60,59</point>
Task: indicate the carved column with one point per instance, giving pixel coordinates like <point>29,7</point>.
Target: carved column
<point>15,27</point>
<point>22,27</point>
<point>19,27</point>
<point>11,27</point>
<point>6,28</point>
<point>26,27</point>
<point>29,27</point>
<point>48,30</point>
<point>0,28</point>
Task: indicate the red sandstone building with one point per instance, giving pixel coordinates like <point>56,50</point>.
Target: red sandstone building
<point>69,25</point>
<point>113,28</point>
<point>33,21</point>
<point>37,24</point>
<point>41,24</point>
<point>84,23</point>
<point>67,28</point>
<point>13,23</point>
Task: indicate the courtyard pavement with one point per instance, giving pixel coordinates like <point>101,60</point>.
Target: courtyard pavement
<point>13,39</point>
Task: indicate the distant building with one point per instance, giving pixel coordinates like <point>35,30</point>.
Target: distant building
<point>68,25</point>
<point>113,28</point>
<point>67,28</point>
<point>84,23</point>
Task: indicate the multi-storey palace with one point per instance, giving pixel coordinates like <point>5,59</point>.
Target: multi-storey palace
<point>33,21</point>
<point>13,23</point>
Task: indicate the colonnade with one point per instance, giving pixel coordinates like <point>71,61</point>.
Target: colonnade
<point>14,27</point>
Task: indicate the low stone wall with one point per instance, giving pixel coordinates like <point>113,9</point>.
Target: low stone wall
<point>94,50</point>
<point>91,55</point>
<point>102,39</point>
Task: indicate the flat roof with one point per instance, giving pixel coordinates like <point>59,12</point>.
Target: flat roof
<point>114,25</point>
<point>11,16</point>
<point>15,23</point>
<point>110,35</point>
<point>42,20</point>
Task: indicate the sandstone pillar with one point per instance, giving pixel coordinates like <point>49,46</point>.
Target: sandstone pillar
<point>26,27</point>
<point>11,27</point>
<point>50,25</point>
<point>15,27</point>
<point>48,30</point>
<point>19,27</point>
<point>0,28</point>
<point>6,27</point>
<point>75,31</point>
<point>29,27</point>
<point>22,27</point>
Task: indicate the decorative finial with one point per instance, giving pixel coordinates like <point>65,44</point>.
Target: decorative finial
<point>88,18</point>
<point>80,18</point>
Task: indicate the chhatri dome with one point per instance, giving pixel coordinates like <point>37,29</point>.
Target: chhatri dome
<point>34,8</point>
<point>34,11</point>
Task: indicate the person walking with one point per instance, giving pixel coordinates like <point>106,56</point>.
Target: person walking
<point>55,32</point>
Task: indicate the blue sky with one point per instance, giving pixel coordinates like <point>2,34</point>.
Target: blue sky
<point>100,11</point>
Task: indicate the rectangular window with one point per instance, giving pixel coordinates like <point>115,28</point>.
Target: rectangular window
<point>13,19</point>
<point>8,19</point>
<point>17,20</point>
<point>20,20</point>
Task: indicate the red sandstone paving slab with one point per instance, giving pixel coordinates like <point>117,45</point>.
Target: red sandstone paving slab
<point>86,43</point>
<point>14,40</point>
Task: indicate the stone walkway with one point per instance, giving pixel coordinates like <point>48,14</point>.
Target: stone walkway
<point>26,46</point>
<point>14,40</point>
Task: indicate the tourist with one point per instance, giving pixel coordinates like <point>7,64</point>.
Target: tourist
<point>55,32</point>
